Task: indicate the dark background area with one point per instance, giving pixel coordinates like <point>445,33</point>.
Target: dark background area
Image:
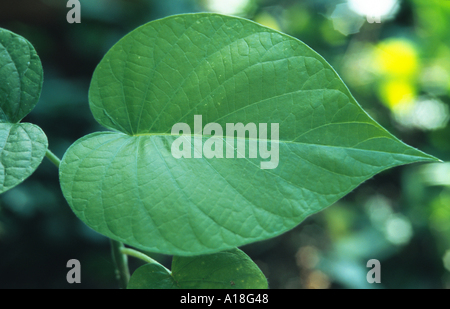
<point>398,70</point>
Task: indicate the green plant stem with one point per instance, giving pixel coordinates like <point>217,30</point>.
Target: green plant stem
<point>121,263</point>
<point>53,158</point>
<point>142,256</point>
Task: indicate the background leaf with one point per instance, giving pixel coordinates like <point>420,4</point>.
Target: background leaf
<point>231,269</point>
<point>22,145</point>
<point>151,276</point>
<point>21,77</point>
<point>129,187</point>
<point>22,148</point>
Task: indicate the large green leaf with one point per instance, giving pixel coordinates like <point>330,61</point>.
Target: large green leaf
<point>127,184</point>
<point>231,269</point>
<point>22,145</point>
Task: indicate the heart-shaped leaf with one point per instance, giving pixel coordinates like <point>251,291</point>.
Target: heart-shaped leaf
<point>231,269</point>
<point>138,187</point>
<point>22,145</point>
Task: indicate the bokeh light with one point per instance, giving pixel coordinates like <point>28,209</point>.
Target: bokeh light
<point>381,8</point>
<point>346,21</point>
<point>396,58</point>
<point>267,20</point>
<point>423,113</point>
<point>229,7</point>
<point>398,229</point>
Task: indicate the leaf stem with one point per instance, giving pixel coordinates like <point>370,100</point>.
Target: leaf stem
<point>53,158</point>
<point>121,263</point>
<point>142,256</point>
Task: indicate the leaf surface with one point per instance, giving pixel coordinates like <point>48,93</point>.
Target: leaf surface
<point>22,145</point>
<point>128,185</point>
<point>231,269</point>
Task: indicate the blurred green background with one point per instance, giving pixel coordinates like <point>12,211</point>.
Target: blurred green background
<point>398,70</point>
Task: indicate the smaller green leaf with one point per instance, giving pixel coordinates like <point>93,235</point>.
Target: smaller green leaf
<point>22,148</point>
<point>22,145</point>
<point>231,269</point>
<point>21,77</point>
<point>152,276</point>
